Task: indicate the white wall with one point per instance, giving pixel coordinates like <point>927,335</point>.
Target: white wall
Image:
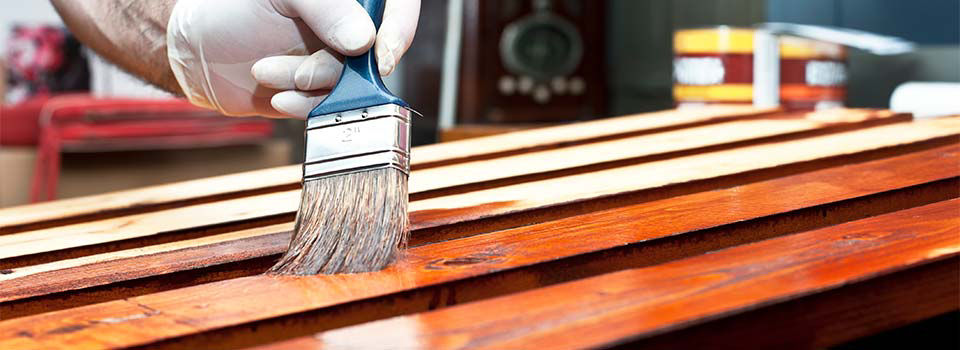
<point>24,12</point>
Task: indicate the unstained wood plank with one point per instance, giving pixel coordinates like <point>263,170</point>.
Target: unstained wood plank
<point>578,133</point>
<point>625,151</point>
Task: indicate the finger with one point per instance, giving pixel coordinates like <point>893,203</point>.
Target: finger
<point>277,72</point>
<point>320,71</point>
<point>260,98</point>
<point>297,103</point>
<point>396,32</point>
<point>342,24</point>
<point>264,109</point>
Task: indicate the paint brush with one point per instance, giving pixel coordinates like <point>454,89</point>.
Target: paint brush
<point>353,208</point>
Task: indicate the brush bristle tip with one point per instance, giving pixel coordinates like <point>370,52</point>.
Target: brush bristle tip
<point>349,223</point>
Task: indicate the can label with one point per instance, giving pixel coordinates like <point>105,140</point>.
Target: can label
<point>715,65</point>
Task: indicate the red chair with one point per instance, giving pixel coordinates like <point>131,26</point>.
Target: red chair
<point>80,123</point>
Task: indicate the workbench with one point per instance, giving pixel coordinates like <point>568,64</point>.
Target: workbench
<point>720,227</point>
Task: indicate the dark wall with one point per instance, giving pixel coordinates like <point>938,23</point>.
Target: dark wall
<point>933,24</point>
<point>926,22</point>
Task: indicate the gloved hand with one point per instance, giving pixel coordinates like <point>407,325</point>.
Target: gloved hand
<point>252,57</point>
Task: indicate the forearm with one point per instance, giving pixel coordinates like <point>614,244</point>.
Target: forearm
<point>130,33</point>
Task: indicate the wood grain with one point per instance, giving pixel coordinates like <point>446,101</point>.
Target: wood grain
<point>612,308</point>
<point>497,172</point>
<point>45,243</point>
<point>563,196</point>
<point>578,133</point>
<point>471,268</point>
<point>152,198</point>
<point>830,317</point>
<point>701,229</point>
<point>35,216</point>
<point>776,158</point>
<point>22,287</point>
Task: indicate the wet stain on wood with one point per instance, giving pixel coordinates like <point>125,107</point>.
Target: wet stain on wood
<point>25,334</point>
<point>467,260</point>
<point>68,329</point>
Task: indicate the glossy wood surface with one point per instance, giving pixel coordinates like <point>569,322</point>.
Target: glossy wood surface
<point>26,217</point>
<point>207,253</point>
<point>465,269</point>
<point>681,229</point>
<point>641,303</point>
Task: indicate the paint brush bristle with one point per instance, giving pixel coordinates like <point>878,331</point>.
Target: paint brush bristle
<point>354,222</point>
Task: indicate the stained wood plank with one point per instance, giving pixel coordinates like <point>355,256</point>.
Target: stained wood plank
<point>514,199</point>
<point>202,254</point>
<point>831,317</point>
<point>474,267</point>
<point>40,215</point>
<point>25,339</point>
<point>641,303</point>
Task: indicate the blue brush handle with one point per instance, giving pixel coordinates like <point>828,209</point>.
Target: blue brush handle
<point>360,85</point>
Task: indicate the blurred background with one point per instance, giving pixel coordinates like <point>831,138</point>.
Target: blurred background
<point>72,124</point>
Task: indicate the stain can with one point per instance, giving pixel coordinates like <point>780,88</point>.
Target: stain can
<point>717,65</point>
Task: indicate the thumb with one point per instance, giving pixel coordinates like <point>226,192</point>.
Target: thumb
<point>341,24</point>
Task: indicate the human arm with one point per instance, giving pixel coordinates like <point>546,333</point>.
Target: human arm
<point>130,33</point>
<point>206,49</point>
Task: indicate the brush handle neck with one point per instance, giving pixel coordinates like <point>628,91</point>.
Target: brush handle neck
<point>365,65</point>
<point>360,85</point>
<point>374,8</point>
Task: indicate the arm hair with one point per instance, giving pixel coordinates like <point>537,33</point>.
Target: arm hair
<point>130,33</point>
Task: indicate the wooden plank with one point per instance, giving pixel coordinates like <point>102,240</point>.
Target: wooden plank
<point>577,133</point>
<point>623,306</point>
<point>497,172</point>
<point>24,339</point>
<point>202,256</point>
<point>70,283</point>
<point>25,248</point>
<point>40,215</point>
<point>832,317</point>
<point>48,244</point>
<point>152,198</point>
<point>508,206</point>
<point>477,267</point>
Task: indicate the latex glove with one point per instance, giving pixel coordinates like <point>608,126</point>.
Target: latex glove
<point>213,44</point>
<point>307,79</point>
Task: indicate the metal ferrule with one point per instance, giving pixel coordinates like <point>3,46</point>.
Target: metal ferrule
<point>365,139</point>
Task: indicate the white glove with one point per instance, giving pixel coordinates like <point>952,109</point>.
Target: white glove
<point>213,45</point>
